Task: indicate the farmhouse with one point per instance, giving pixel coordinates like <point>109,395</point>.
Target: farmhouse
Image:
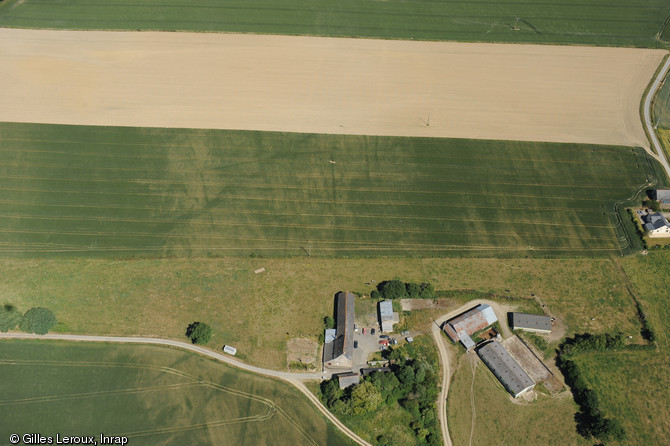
<point>339,353</point>
<point>662,196</point>
<point>531,322</point>
<point>656,225</point>
<point>462,326</point>
<point>386,316</point>
<point>505,368</point>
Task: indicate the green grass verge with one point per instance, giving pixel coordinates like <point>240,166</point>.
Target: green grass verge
<point>122,192</point>
<point>161,297</point>
<point>154,395</point>
<point>595,22</point>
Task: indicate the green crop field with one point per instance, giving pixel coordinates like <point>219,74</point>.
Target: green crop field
<point>153,395</point>
<point>119,191</point>
<point>596,22</point>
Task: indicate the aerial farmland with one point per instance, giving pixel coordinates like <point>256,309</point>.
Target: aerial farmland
<point>239,164</point>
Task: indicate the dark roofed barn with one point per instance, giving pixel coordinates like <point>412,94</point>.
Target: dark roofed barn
<point>340,352</point>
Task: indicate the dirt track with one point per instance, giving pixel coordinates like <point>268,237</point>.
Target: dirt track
<point>305,84</point>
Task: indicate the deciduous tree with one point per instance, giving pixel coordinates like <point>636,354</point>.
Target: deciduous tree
<point>38,320</point>
<point>199,333</point>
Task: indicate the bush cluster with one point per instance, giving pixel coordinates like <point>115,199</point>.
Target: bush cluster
<point>37,320</point>
<point>654,205</point>
<point>411,384</point>
<point>586,343</point>
<point>397,289</point>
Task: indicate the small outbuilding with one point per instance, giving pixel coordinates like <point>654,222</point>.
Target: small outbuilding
<point>387,317</point>
<point>348,379</point>
<point>531,322</point>
<point>370,370</point>
<point>510,374</point>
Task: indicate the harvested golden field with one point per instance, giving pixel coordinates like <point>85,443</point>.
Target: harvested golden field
<point>325,85</point>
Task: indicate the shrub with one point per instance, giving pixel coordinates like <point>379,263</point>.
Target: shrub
<point>427,291</point>
<point>199,333</point>
<point>413,290</point>
<point>38,320</point>
<point>9,318</point>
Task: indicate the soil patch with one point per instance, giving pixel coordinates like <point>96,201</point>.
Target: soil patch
<point>303,351</point>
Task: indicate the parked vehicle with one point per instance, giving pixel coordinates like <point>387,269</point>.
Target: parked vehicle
<point>372,332</point>
<point>383,336</point>
<point>355,344</point>
<point>364,331</point>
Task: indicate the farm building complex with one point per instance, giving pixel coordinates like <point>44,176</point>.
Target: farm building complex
<point>463,326</point>
<point>505,368</point>
<point>531,322</point>
<point>387,318</point>
<point>339,352</point>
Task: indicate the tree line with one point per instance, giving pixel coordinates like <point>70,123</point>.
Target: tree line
<point>397,289</point>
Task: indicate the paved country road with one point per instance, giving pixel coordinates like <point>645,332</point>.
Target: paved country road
<point>647,118</point>
<point>295,379</point>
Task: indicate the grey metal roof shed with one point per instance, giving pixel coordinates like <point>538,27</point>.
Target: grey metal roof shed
<point>505,368</point>
<point>531,322</point>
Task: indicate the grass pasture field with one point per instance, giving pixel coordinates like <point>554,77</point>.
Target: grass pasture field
<point>593,22</point>
<point>160,297</point>
<point>632,385</point>
<point>153,395</point>
<point>127,192</point>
